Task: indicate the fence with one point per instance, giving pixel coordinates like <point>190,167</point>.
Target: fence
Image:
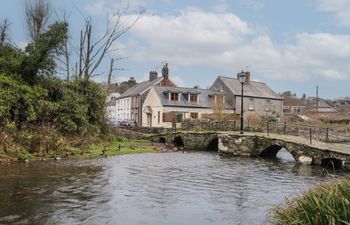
<point>313,132</point>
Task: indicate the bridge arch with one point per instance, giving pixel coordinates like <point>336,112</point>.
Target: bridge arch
<point>332,163</point>
<point>162,140</point>
<point>178,142</point>
<point>271,151</point>
<point>213,145</point>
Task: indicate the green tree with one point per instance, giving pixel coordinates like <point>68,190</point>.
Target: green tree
<point>11,59</point>
<point>41,53</point>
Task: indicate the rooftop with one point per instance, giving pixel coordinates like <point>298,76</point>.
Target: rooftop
<point>253,88</point>
<point>140,88</point>
<point>204,95</point>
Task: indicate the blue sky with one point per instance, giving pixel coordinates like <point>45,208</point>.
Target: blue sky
<point>291,45</point>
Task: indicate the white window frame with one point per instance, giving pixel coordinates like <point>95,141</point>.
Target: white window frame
<point>251,104</point>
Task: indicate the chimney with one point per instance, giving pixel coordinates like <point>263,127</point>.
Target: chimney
<point>247,80</point>
<point>165,72</point>
<point>153,75</point>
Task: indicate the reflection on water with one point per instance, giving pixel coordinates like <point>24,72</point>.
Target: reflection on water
<point>172,188</point>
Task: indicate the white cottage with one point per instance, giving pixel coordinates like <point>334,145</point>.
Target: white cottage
<point>165,106</point>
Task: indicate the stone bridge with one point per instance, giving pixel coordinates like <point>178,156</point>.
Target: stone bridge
<point>259,145</point>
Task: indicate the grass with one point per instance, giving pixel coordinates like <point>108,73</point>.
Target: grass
<point>103,149</point>
<point>112,149</point>
<point>325,204</point>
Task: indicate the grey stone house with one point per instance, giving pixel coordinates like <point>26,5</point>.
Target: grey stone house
<point>258,98</point>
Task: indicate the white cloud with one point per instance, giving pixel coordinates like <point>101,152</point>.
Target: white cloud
<point>191,35</point>
<point>222,40</point>
<point>341,9</point>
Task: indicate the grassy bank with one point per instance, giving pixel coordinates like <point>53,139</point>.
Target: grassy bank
<point>105,148</point>
<point>325,204</point>
<point>114,148</point>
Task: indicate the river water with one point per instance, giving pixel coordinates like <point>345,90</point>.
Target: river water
<point>195,188</point>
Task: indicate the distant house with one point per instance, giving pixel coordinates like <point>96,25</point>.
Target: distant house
<point>320,106</point>
<point>294,105</point>
<point>129,104</point>
<point>165,106</point>
<point>258,98</point>
<point>111,110</point>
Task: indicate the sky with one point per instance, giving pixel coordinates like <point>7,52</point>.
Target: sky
<point>291,45</point>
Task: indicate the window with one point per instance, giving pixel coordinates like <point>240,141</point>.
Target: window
<point>158,117</point>
<point>251,104</point>
<point>174,96</point>
<point>193,98</point>
<point>268,105</point>
<point>194,115</point>
<point>167,117</point>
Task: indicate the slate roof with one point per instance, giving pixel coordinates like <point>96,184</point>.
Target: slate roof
<point>140,88</point>
<point>112,102</point>
<point>253,89</point>
<point>203,94</point>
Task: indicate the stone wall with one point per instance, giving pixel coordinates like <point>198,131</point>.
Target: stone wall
<point>251,146</point>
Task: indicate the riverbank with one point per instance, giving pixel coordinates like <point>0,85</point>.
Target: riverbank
<point>326,203</point>
<point>114,147</point>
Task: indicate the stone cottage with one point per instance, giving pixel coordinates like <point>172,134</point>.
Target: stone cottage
<point>258,98</point>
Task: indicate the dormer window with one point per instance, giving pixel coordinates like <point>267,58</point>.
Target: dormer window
<point>193,98</point>
<point>174,96</point>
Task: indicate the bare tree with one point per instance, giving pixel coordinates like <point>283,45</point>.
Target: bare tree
<point>110,73</point>
<point>218,107</point>
<point>4,26</point>
<point>64,59</point>
<point>92,52</point>
<point>109,78</point>
<point>37,16</point>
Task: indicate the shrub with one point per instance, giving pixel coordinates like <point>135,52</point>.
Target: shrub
<point>326,204</point>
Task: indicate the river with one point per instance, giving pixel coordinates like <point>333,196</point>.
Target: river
<point>194,188</point>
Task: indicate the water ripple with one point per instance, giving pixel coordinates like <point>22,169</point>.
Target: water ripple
<point>174,188</point>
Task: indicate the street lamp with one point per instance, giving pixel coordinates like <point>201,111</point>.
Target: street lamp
<point>242,76</point>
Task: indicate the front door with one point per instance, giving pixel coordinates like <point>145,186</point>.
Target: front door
<point>149,119</point>
<point>173,120</point>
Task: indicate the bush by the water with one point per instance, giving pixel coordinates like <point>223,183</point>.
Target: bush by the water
<point>40,116</point>
<point>326,204</point>
<point>39,112</point>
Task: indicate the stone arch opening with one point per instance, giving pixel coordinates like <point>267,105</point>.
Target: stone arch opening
<point>332,163</point>
<point>213,145</point>
<point>162,140</point>
<point>178,142</point>
<point>271,151</point>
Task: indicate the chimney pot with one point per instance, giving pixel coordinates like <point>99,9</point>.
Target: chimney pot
<point>165,72</point>
<point>153,75</point>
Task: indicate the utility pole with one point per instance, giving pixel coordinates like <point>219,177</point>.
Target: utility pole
<point>317,99</point>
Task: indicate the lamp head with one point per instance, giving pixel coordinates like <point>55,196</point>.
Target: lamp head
<point>242,76</point>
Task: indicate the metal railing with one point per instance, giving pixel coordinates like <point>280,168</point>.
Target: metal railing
<point>313,132</point>
<point>310,131</point>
